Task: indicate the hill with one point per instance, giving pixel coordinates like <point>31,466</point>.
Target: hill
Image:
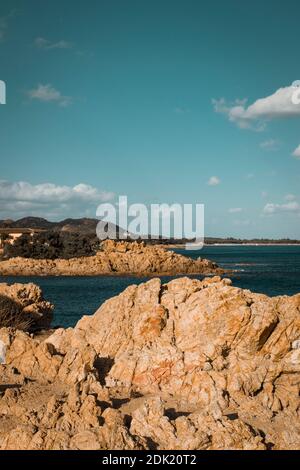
<point>87,226</point>
<point>83,226</point>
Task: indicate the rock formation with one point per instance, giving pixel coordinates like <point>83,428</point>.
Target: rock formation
<point>23,304</point>
<point>114,258</point>
<point>186,365</point>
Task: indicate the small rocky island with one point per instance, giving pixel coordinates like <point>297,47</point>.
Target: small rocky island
<point>114,258</point>
<point>185,365</point>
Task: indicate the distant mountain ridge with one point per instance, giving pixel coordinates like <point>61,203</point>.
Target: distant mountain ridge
<point>83,225</point>
<point>87,226</point>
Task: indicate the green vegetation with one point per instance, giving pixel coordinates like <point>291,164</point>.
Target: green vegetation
<point>52,245</point>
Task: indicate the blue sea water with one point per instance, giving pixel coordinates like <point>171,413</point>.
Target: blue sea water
<point>272,270</point>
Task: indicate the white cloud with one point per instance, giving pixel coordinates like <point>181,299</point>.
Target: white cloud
<point>235,210</point>
<point>278,105</point>
<point>264,194</point>
<point>289,197</point>
<point>46,45</point>
<point>270,145</point>
<point>47,93</point>
<point>19,199</point>
<point>291,206</point>
<point>213,181</point>
<point>296,152</point>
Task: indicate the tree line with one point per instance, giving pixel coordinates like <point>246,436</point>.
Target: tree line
<point>52,245</point>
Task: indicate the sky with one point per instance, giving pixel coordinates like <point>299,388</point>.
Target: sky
<point>162,101</point>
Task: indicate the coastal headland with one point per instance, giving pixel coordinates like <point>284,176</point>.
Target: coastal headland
<point>114,258</point>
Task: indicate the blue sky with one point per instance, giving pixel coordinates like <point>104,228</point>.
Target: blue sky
<point>146,99</point>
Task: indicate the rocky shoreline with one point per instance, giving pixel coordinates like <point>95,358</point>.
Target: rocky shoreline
<point>115,258</point>
<point>185,365</point>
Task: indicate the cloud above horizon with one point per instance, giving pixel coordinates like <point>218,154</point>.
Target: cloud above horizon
<point>46,45</point>
<point>270,145</point>
<point>47,94</point>
<point>290,206</point>
<point>19,199</point>
<point>296,152</point>
<point>213,181</point>
<point>290,197</point>
<point>280,104</point>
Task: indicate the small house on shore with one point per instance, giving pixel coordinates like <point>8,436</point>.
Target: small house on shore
<point>9,235</point>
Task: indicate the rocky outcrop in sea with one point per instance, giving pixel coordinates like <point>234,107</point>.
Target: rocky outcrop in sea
<point>115,258</point>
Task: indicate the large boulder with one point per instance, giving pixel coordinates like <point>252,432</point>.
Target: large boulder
<point>169,337</point>
<point>185,365</point>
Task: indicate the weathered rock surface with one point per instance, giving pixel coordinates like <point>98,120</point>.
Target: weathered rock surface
<point>115,258</point>
<point>186,365</point>
<point>25,303</point>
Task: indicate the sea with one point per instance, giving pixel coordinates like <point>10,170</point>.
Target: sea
<point>272,270</point>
